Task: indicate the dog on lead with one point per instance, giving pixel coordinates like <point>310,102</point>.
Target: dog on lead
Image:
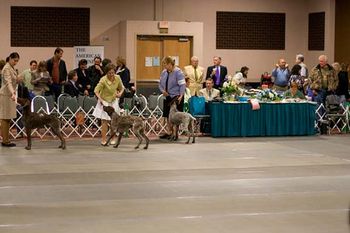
<point>185,119</point>
<point>33,120</point>
<point>120,124</point>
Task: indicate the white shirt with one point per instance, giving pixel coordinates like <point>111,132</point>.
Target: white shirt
<point>239,78</point>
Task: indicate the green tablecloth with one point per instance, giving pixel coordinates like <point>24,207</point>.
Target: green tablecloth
<point>272,119</point>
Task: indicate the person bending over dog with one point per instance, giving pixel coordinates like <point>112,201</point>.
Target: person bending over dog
<point>108,91</point>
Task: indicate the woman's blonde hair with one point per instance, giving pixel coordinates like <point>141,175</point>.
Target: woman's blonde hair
<point>42,67</point>
<point>168,60</point>
<point>121,60</point>
<point>109,67</point>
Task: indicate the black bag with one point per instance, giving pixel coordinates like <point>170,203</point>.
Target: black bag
<point>323,126</point>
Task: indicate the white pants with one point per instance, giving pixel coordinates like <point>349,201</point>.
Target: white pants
<point>101,114</point>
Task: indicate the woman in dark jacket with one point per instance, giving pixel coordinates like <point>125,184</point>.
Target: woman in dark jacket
<point>123,72</point>
<point>343,85</point>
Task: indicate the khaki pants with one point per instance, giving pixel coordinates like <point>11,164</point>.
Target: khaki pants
<point>5,128</point>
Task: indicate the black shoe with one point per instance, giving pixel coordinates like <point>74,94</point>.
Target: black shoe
<point>10,144</point>
<point>164,136</point>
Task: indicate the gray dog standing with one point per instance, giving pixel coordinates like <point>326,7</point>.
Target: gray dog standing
<point>120,124</point>
<point>177,118</point>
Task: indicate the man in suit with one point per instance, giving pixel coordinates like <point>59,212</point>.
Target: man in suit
<point>71,86</point>
<point>209,92</point>
<point>83,77</point>
<point>217,72</point>
<point>195,73</point>
<point>96,73</point>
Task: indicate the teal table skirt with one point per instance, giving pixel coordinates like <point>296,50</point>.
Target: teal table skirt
<point>272,119</point>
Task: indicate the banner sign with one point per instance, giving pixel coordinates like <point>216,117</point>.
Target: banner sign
<point>88,53</point>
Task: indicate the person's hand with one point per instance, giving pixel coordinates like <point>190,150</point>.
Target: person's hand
<point>13,96</point>
<point>179,98</point>
<point>100,99</point>
<point>213,71</point>
<point>118,94</point>
<point>86,92</point>
<point>286,65</point>
<point>165,93</point>
<point>98,68</point>
<point>88,87</point>
<point>19,79</point>
<point>277,65</point>
<point>63,82</point>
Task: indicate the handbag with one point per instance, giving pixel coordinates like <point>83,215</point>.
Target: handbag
<point>197,105</point>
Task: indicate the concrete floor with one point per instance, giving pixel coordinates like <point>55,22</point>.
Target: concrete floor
<point>250,185</point>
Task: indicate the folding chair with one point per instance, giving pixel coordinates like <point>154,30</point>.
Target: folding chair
<point>39,104</point>
<point>336,114</point>
<point>50,99</point>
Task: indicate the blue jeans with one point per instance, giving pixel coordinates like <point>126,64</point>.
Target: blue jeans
<point>320,98</point>
<point>56,89</point>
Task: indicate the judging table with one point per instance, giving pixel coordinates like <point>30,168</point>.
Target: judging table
<point>272,119</point>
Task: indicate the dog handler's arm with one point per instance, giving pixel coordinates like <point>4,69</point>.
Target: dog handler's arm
<point>98,96</point>
<point>97,91</point>
<point>182,83</point>
<point>162,85</point>
<point>8,83</point>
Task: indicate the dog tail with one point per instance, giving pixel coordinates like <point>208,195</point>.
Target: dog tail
<point>192,117</point>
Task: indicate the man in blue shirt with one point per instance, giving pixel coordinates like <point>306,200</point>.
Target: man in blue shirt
<point>281,76</point>
<point>172,85</point>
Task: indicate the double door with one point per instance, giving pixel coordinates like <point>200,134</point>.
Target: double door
<point>152,49</point>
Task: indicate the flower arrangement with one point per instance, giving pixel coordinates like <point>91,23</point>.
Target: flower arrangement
<point>230,90</point>
<point>230,87</point>
<point>268,95</point>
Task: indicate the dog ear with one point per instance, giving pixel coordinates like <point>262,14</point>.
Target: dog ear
<point>106,109</point>
<point>23,102</point>
<point>27,103</point>
<point>174,100</point>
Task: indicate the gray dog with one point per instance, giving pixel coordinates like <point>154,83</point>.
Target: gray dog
<point>120,124</point>
<point>177,118</point>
